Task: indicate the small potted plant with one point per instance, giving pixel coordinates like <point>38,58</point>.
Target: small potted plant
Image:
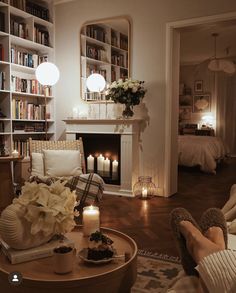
<point>128,92</point>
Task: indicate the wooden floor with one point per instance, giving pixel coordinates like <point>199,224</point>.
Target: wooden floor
<point>148,221</point>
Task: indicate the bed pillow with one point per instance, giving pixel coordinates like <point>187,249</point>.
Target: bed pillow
<point>62,163</point>
<point>37,164</point>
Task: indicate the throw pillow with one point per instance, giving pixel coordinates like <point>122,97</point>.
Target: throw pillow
<point>62,163</point>
<point>37,164</point>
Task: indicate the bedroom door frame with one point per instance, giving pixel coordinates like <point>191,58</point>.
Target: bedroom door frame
<point>172,93</point>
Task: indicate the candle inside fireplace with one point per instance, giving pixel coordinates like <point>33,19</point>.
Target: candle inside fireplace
<point>114,169</point>
<point>100,164</point>
<point>107,163</point>
<point>90,163</point>
<point>91,220</point>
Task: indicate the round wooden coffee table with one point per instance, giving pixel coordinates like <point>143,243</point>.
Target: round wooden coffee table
<point>39,277</point>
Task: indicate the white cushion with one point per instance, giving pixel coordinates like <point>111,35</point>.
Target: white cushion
<point>37,164</point>
<point>61,163</point>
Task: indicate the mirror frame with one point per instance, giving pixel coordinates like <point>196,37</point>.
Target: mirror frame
<point>97,22</point>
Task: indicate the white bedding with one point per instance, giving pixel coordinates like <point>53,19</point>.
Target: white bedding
<point>203,151</point>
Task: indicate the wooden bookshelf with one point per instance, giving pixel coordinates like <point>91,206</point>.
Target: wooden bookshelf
<point>104,50</point>
<point>26,40</point>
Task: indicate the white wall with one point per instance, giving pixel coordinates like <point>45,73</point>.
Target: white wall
<point>149,20</point>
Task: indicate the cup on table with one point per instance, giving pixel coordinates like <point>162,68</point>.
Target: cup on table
<point>63,259</point>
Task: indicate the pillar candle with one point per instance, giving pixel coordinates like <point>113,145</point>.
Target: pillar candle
<point>107,163</point>
<point>114,169</point>
<point>144,192</point>
<point>90,163</point>
<point>100,163</point>
<point>91,220</point>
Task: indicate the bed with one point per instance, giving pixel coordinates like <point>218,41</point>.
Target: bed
<point>202,151</point>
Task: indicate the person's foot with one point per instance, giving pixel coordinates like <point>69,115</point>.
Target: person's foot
<point>216,235</point>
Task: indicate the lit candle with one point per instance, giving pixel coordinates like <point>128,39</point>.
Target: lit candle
<point>15,154</point>
<point>107,163</point>
<point>114,169</point>
<point>91,220</point>
<point>100,164</point>
<point>90,163</point>
<point>144,192</point>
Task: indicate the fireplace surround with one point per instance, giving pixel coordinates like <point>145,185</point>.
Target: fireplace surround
<point>128,132</point>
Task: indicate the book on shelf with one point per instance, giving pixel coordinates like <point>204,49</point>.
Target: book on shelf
<point>19,29</point>
<point>2,21</point>
<point>124,42</point>
<point>22,109</point>
<point>41,36</point>
<point>96,52</point>
<point>20,4</point>
<point>46,250</point>
<point>22,146</point>
<point>2,80</point>
<point>24,126</point>
<point>1,52</point>
<point>96,32</point>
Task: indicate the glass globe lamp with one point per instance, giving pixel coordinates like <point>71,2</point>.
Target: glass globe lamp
<point>47,74</point>
<point>95,83</point>
<point>144,188</point>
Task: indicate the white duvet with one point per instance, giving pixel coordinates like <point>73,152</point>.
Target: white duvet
<point>203,151</point>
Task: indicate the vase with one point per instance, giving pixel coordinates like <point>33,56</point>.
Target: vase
<point>15,230</point>
<point>127,112</point>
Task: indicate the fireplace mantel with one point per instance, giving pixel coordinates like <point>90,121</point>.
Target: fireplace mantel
<point>129,130</point>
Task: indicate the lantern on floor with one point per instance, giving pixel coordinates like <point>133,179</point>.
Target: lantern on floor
<point>144,188</point>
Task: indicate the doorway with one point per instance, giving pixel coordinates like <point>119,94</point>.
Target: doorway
<point>173,34</point>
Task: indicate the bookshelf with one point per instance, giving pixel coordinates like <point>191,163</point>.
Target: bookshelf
<point>104,50</point>
<point>26,40</point>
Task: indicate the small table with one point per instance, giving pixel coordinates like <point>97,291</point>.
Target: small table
<point>6,186</point>
<point>117,276</point>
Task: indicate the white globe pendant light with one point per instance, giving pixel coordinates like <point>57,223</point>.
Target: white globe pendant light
<point>47,74</point>
<point>95,83</point>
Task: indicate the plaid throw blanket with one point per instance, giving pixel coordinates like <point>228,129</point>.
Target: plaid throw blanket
<point>88,187</point>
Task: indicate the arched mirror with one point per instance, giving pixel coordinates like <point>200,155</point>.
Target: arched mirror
<point>105,49</point>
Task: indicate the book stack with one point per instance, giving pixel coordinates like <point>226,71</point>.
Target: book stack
<point>28,127</point>
<point>42,251</point>
<point>22,146</point>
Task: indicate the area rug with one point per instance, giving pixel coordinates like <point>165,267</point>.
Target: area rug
<point>155,272</point>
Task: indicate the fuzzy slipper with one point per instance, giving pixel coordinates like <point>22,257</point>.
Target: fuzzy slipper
<point>214,217</point>
<point>176,216</point>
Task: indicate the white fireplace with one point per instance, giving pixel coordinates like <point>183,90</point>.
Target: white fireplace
<point>129,131</point>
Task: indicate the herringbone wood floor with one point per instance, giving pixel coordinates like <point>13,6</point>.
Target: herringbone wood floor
<point>148,221</point>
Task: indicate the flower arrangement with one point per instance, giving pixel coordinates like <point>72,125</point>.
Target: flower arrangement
<point>129,92</point>
<point>49,209</point>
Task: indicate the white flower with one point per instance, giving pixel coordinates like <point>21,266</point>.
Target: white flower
<point>134,89</point>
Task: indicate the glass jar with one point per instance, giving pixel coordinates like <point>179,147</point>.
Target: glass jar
<point>144,187</point>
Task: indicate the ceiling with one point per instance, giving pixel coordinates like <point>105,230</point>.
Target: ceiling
<point>197,43</point>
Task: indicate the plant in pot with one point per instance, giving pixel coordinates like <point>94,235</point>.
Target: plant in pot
<point>128,92</point>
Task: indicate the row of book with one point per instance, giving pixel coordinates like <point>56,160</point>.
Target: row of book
<point>30,86</point>
<point>41,36</point>
<point>22,146</point>
<point>94,69</point>
<point>29,127</point>
<point>22,109</point>
<point>19,29</point>
<point>22,57</point>
<point>2,80</point>
<point>118,59</point>
<point>1,52</point>
<point>96,32</point>
<point>32,8</point>
<point>96,52</point>
<point>114,39</point>
<point>2,21</point>
<point>123,42</point>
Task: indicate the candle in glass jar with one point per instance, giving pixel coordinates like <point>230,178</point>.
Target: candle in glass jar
<point>90,163</point>
<point>91,220</point>
<point>100,164</point>
<point>144,192</point>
